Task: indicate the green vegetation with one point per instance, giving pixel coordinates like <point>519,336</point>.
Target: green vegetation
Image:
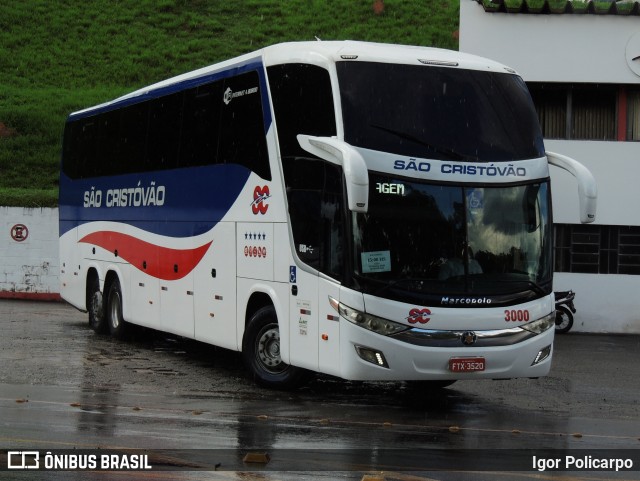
<point>58,57</point>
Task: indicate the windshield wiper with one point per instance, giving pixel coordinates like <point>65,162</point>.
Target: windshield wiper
<point>384,285</point>
<point>409,284</point>
<point>449,153</point>
<point>532,285</point>
<point>535,287</point>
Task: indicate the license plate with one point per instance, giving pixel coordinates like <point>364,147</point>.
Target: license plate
<point>466,364</point>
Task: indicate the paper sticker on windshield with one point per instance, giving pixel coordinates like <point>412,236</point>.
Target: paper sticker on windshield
<point>377,261</point>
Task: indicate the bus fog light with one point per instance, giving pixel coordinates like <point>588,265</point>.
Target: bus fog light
<point>372,355</point>
<point>542,355</point>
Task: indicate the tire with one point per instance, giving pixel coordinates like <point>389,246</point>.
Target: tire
<point>95,307</point>
<point>564,320</point>
<point>114,319</point>
<point>261,353</point>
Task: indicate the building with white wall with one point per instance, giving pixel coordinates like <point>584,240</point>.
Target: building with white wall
<point>581,61</point>
<point>29,266</point>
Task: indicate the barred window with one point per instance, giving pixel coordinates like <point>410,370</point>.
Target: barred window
<point>597,249</point>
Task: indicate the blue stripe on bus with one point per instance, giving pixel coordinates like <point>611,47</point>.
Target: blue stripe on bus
<point>174,203</point>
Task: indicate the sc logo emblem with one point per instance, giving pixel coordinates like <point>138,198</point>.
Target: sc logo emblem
<point>419,315</point>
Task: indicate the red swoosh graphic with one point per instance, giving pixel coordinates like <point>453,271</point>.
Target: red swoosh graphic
<point>160,261</point>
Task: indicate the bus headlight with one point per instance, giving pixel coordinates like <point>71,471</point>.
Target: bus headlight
<point>367,321</point>
<point>541,325</point>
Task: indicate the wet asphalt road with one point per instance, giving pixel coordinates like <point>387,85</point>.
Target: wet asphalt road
<point>64,387</point>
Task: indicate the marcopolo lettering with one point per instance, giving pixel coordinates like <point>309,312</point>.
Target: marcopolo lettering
<point>464,300</point>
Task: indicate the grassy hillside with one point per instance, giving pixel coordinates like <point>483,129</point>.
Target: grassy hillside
<point>57,57</point>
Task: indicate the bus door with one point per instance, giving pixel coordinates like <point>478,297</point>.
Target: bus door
<point>314,324</point>
<point>303,323</point>
<point>316,211</point>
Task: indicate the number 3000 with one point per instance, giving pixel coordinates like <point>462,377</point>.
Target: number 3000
<point>516,315</point>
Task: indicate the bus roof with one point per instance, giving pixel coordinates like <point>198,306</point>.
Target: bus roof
<point>319,53</point>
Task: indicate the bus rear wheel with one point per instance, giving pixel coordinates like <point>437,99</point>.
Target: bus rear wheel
<point>261,353</point>
<point>95,306</point>
<point>115,320</point>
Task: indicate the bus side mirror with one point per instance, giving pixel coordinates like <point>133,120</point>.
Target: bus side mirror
<point>587,188</point>
<point>354,167</point>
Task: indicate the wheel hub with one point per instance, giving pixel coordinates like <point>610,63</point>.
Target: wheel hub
<point>269,350</point>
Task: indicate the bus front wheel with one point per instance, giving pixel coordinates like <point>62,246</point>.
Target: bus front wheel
<point>261,352</point>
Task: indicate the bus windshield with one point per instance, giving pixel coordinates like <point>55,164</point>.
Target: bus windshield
<point>442,113</point>
<point>420,239</point>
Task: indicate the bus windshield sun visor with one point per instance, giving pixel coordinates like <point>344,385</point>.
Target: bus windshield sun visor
<point>340,153</point>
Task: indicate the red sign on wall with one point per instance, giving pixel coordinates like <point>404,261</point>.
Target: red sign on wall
<point>19,232</point>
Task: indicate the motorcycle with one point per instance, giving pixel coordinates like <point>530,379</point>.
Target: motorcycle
<point>565,309</point>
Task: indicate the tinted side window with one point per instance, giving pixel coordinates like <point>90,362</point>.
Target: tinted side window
<point>132,138</point>
<point>107,152</point>
<point>242,137</point>
<point>200,124</point>
<point>165,121</point>
<point>79,149</point>
<point>215,122</point>
<point>316,208</point>
<point>303,104</point>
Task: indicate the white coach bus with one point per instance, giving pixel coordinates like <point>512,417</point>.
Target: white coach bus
<point>374,212</point>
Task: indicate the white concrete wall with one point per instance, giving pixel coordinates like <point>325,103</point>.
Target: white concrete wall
<point>605,302</point>
<point>616,167</point>
<point>29,268</point>
<point>554,48</point>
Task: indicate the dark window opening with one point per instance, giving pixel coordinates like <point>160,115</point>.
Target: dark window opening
<point>576,111</point>
<point>597,249</point>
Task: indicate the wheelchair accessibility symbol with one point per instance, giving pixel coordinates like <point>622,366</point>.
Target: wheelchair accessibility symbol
<point>292,274</point>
